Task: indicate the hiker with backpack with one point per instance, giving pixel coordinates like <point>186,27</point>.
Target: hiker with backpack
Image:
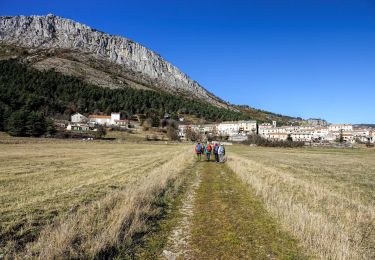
<point>198,151</point>
<point>221,153</point>
<point>216,152</point>
<point>208,150</point>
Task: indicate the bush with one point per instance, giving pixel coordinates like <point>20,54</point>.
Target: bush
<point>102,131</point>
<point>172,133</point>
<point>260,141</point>
<point>193,135</point>
<point>147,124</point>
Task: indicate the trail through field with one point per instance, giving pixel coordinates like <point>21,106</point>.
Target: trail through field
<point>177,245</point>
<point>222,219</point>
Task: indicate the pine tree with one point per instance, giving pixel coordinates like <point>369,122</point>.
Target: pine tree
<point>16,125</point>
<point>35,124</point>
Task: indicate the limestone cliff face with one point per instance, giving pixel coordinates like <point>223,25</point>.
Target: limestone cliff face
<point>55,33</point>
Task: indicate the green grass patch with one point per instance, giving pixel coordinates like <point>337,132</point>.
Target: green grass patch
<point>231,222</point>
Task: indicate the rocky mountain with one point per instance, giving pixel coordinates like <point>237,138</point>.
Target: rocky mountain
<point>72,48</point>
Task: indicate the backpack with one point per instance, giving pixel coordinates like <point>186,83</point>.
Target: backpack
<point>208,148</point>
<point>198,148</point>
<point>216,149</point>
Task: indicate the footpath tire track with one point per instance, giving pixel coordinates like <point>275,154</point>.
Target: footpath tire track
<point>177,245</point>
<point>230,222</point>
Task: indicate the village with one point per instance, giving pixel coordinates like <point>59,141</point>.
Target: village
<point>315,131</point>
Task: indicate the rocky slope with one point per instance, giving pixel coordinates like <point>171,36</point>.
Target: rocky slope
<point>106,60</point>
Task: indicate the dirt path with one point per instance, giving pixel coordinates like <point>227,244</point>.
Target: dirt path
<point>224,220</point>
<point>177,245</point>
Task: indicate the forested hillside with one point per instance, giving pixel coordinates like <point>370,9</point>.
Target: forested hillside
<point>29,96</point>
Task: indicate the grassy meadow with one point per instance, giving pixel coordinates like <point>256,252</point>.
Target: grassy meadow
<point>47,185</point>
<point>324,197</point>
<point>94,199</point>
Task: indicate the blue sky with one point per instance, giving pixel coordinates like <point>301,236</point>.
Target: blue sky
<point>307,58</point>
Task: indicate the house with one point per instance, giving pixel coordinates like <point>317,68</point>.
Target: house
<point>331,136</point>
<point>265,125</point>
<point>78,127</point>
<point>182,131</point>
<point>122,122</point>
<point>277,136</point>
<point>100,119</point>
<point>362,135</point>
<point>263,129</point>
<point>209,129</point>
<point>348,137</point>
<point>271,130</point>
<point>320,133</point>
<point>247,126</point>
<point>113,119</point>
<point>302,136</point>
<point>62,124</point>
<point>228,128</point>
<point>340,127</point>
<point>78,118</point>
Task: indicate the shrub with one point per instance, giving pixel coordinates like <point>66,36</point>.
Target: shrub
<point>260,141</point>
<point>172,133</point>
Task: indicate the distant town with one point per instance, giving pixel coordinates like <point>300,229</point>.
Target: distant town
<point>316,131</point>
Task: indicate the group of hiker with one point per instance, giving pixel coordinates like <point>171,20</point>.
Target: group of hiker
<point>207,149</point>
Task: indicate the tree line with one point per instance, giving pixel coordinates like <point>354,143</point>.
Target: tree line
<point>29,98</point>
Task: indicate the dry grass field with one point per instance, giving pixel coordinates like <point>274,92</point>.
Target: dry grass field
<point>97,199</point>
<point>77,199</point>
<point>324,197</point>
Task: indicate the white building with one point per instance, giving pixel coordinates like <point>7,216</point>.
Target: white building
<point>302,137</point>
<point>228,128</point>
<point>208,128</point>
<point>265,125</point>
<point>264,129</point>
<point>78,118</point>
<point>363,135</point>
<point>78,127</point>
<point>182,130</point>
<point>277,136</point>
<point>247,126</point>
<point>320,133</point>
<point>348,137</point>
<point>100,119</point>
<point>272,130</point>
<point>331,136</point>
<point>113,119</point>
<point>340,127</point>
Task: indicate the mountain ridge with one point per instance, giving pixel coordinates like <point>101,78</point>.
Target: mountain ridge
<point>57,34</point>
<point>110,61</point>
